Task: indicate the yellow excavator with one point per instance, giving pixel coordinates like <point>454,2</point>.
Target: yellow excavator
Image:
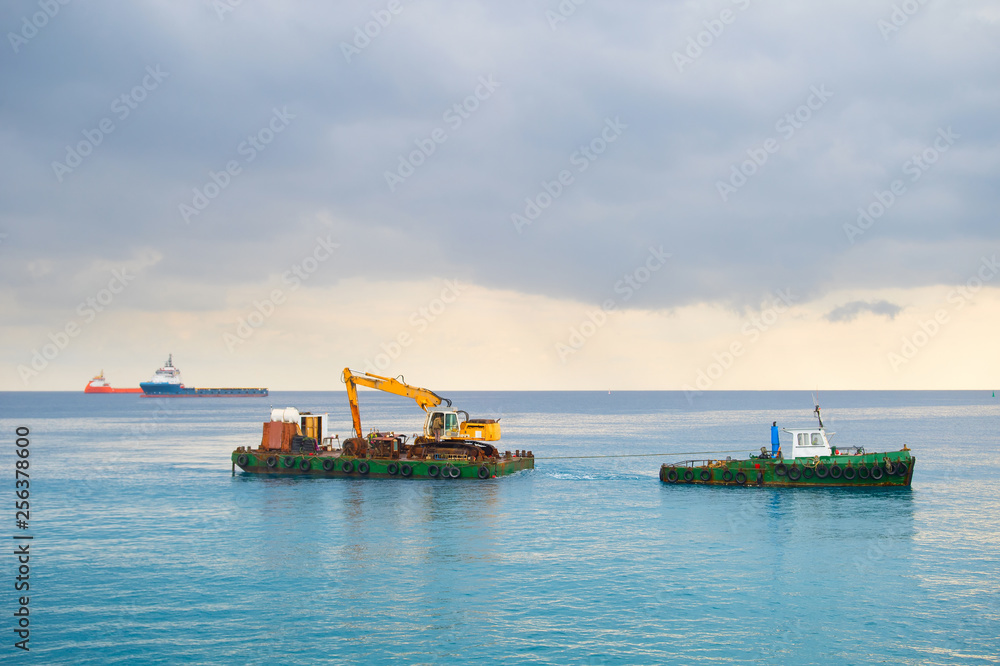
<point>444,434</point>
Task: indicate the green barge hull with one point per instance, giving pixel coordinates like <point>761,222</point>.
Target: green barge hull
<point>894,468</point>
<point>329,465</point>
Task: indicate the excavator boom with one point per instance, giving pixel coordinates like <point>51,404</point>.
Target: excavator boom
<point>423,397</point>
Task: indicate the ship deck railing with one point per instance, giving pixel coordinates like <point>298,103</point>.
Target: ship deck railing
<point>707,462</point>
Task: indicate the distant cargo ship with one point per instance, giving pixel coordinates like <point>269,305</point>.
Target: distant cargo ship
<point>100,385</point>
<point>166,383</point>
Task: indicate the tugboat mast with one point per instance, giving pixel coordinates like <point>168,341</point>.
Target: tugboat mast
<point>816,410</point>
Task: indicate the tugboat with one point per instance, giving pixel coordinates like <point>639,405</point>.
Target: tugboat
<point>805,459</point>
<point>166,383</point>
<point>100,385</point>
<point>296,442</point>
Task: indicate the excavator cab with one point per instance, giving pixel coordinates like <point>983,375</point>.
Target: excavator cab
<point>441,424</point>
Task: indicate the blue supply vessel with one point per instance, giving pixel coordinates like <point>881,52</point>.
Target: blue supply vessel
<point>166,383</point>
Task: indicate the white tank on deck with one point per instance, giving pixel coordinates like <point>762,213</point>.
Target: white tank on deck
<point>288,415</point>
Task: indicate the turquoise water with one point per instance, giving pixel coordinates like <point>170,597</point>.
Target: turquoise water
<point>148,550</point>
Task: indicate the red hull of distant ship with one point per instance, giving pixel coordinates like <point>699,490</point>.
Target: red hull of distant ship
<point>108,389</point>
<point>100,385</point>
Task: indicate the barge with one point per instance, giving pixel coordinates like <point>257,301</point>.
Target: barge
<point>453,445</point>
<point>334,464</point>
<point>806,459</point>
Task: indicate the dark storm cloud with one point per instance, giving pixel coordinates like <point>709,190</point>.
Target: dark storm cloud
<point>851,311</point>
<point>347,123</point>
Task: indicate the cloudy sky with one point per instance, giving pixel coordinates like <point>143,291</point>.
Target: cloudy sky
<point>532,194</point>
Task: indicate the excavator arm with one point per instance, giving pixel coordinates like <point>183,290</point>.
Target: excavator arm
<point>424,397</point>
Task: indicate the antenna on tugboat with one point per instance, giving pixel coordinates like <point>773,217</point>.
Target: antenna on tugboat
<point>816,409</point>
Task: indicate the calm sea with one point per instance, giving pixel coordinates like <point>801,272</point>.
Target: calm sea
<point>148,550</point>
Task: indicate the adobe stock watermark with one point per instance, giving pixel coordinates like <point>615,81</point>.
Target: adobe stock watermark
<point>915,168</point>
<point>899,17</point>
<point>454,116</point>
<point>106,463</point>
<point>264,309</point>
<point>224,7</point>
<point>722,361</point>
<point>420,320</point>
<point>581,158</point>
<point>877,550</point>
<point>87,311</point>
<point>249,149</point>
<point>957,299</point>
<point>750,510</point>
<point>31,25</point>
<point>364,34</point>
<point>626,288</point>
<point>704,39</point>
<point>150,423</point>
<point>786,126</point>
<point>564,10</point>
<point>122,107</point>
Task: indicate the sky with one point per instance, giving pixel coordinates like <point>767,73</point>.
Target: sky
<point>537,195</point>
